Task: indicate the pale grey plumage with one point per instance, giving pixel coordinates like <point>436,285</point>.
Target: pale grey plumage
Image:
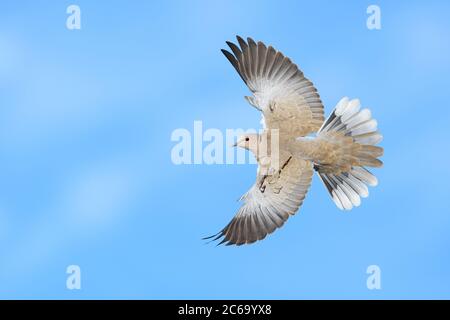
<point>289,102</point>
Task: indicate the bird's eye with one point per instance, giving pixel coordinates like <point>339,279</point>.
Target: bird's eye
<point>247,139</point>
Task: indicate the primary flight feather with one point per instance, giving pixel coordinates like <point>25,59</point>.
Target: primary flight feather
<point>344,145</point>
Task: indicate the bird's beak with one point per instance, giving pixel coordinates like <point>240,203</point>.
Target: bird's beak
<point>234,144</point>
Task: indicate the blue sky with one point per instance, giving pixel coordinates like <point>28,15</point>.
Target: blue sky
<point>86,176</point>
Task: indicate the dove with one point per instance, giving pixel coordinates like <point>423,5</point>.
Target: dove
<point>339,149</point>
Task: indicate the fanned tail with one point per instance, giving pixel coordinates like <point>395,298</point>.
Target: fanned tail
<point>347,187</point>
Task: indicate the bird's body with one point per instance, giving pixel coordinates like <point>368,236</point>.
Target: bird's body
<point>287,154</point>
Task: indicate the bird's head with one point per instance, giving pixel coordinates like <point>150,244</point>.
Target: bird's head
<point>247,141</point>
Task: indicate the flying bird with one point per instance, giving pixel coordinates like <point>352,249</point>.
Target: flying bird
<point>339,149</point>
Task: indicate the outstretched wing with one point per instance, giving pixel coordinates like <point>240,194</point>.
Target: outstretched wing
<point>268,204</point>
<point>288,100</point>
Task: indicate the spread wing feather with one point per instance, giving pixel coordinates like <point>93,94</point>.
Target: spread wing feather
<point>288,100</point>
<point>269,204</point>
